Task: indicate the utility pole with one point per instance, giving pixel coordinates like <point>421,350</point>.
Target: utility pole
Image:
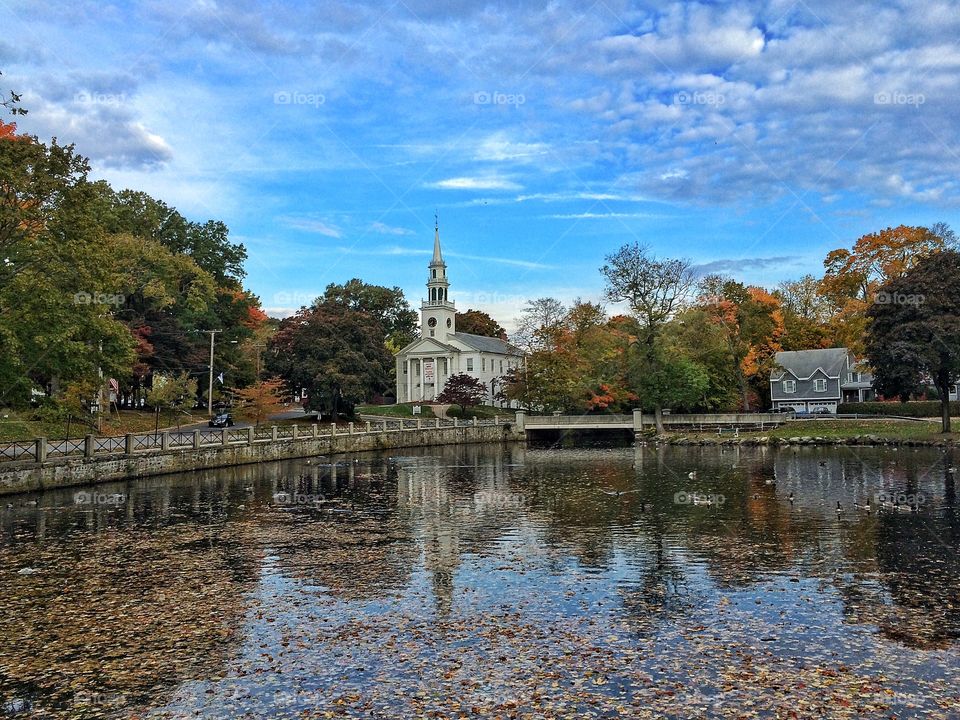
<point>210,383</point>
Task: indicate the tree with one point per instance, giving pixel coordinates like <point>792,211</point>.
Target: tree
<point>261,399</point>
<point>477,322</point>
<point>538,323</point>
<point>654,290</point>
<point>175,393</point>
<point>463,390</point>
<point>852,277</point>
<point>336,353</point>
<point>668,379</point>
<point>806,314</point>
<point>388,306</point>
<point>913,332</point>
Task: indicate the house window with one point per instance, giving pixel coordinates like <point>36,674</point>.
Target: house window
<point>501,367</point>
<point>469,364</point>
<point>483,364</point>
<point>405,368</point>
<point>789,386</point>
<point>819,385</point>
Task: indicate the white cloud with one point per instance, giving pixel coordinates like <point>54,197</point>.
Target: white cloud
<point>320,227</point>
<point>383,229</point>
<point>489,182</point>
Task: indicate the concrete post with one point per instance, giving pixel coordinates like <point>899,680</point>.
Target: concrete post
<point>314,431</point>
<point>333,429</point>
<point>196,439</point>
<point>419,424</point>
<point>350,429</point>
<point>165,440</point>
<point>40,449</point>
<point>295,432</point>
<point>521,420</point>
<point>456,422</point>
<point>273,433</point>
<point>496,419</point>
<point>251,433</point>
<point>368,426</point>
<point>89,446</point>
<point>637,420</point>
<point>475,422</point>
<point>128,444</point>
<point>224,437</point>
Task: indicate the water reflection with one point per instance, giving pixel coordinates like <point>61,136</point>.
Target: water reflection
<point>492,580</point>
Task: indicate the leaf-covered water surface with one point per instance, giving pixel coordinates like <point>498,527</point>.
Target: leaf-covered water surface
<point>484,581</point>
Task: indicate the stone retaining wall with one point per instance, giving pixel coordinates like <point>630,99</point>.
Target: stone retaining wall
<point>18,477</point>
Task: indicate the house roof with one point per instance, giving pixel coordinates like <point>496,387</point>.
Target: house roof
<point>804,363</point>
<point>481,343</point>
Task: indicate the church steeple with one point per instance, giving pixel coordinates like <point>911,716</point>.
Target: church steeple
<point>437,313</point>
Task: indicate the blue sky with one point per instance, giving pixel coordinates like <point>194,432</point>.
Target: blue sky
<point>751,138</point>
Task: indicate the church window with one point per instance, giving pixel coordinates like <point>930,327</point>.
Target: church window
<point>433,333</point>
<point>469,364</point>
<point>449,322</point>
<point>434,273</point>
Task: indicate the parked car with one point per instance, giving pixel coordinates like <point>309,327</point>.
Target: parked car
<point>221,420</point>
<point>821,411</point>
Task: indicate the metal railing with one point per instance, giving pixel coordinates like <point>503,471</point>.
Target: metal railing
<point>43,449</point>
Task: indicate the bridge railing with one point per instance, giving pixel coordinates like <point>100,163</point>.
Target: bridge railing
<point>89,446</point>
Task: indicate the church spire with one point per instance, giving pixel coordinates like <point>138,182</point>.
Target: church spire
<point>437,257</point>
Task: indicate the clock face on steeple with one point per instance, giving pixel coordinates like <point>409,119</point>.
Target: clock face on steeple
<point>432,322</point>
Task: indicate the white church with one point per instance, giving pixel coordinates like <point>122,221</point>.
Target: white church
<point>424,365</point>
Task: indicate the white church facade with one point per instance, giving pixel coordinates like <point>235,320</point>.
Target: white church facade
<point>425,365</point>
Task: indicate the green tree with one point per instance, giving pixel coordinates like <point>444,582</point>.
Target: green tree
<point>665,378</point>
<point>477,322</point>
<point>174,393</point>
<point>386,305</point>
<point>336,353</point>
<point>913,332</point>
<point>654,290</point>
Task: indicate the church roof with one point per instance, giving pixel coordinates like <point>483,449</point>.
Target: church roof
<point>481,343</point>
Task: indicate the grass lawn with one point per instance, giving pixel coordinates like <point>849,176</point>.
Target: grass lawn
<point>404,410</point>
<point>843,429</point>
<point>18,425</point>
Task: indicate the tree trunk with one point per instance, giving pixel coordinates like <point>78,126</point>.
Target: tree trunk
<point>943,388</point>
<point>658,418</point>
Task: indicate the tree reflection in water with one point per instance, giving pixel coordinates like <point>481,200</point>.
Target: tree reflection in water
<point>491,580</point>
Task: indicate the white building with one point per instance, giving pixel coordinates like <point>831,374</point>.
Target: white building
<point>424,365</point>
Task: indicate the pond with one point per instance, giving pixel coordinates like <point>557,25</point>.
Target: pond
<point>493,581</point>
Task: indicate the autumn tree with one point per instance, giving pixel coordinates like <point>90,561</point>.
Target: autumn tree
<point>806,314</point>
<point>852,277</point>
<point>463,390</point>
<point>477,322</point>
<point>261,399</point>
<point>913,331</point>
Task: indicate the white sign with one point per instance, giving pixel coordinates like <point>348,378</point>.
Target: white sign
<point>416,409</point>
<point>428,371</point>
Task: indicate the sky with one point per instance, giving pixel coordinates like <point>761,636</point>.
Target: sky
<point>750,137</point>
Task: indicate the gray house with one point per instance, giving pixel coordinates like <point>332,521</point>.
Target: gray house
<point>809,381</point>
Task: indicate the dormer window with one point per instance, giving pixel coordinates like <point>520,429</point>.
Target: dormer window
<point>819,385</point>
<point>789,386</point>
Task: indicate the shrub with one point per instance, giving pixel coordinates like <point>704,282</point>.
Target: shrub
<point>913,408</point>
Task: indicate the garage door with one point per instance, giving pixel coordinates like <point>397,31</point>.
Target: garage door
<point>830,406</point>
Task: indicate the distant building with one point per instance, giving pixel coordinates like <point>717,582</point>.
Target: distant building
<point>810,381</point>
<point>425,365</point>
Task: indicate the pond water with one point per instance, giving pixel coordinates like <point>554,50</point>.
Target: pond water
<point>493,581</point>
